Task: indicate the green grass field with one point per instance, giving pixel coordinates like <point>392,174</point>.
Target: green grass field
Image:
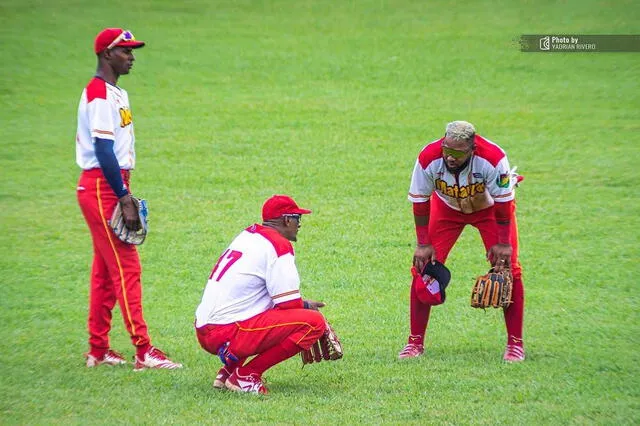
<point>330,102</point>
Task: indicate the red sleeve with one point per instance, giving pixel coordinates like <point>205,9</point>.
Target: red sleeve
<point>422,231</point>
<point>421,209</point>
<point>504,214</point>
<point>291,304</point>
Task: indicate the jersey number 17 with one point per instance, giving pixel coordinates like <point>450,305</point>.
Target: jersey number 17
<point>228,258</point>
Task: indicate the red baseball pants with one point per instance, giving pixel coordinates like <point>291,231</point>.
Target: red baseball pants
<point>116,270</point>
<point>445,227</point>
<point>303,327</point>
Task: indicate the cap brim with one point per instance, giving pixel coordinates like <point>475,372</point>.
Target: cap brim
<point>301,211</point>
<point>131,44</point>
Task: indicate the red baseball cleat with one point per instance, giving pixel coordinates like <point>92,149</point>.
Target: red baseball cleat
<point>252,383</point>
<point>109,358</point>
<point>412,350</point>
<point>223,375</point>
<point>513,353</point>
<point>155,358</point>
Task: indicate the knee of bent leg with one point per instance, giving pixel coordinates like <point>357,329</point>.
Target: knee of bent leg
<point>317,322</point>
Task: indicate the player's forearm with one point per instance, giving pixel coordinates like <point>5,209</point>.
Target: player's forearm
<point>109,165</point>
<point>504,215</point>
<point>421,219</point>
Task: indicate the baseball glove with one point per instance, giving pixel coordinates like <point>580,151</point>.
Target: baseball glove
<point>120,228</point>
<point>492,290</point>
<point>327,348</point>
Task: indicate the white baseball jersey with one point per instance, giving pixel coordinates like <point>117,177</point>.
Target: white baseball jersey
<point>253,274</point>
<point>486,178</point>
<point>104,113</point>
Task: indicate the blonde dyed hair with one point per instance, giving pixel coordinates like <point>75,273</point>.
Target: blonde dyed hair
<point>460,131</point>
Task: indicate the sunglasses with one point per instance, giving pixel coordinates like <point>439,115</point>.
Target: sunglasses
<point>453,152</point>
<point>297,217</point>
<point>124,36</point>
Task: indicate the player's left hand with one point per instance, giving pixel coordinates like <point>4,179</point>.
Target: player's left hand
<point>130,213</point>
<point>312,304</point>
<point>499,256</point>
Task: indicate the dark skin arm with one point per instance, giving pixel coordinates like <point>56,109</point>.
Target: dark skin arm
<point>314,305</point>
<point>499,256</point>
<point>424,252</point>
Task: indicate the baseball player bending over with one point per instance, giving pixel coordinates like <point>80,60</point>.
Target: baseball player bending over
<point>458,180</point>
<point>252,304</point>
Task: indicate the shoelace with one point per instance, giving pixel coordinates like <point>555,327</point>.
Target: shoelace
<point>515,350</point>
<point>410,348</point>
<point>157,353</point>
<point>114,354</point>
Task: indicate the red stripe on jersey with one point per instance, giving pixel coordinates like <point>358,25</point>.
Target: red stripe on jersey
<point>431,152</point>
<point>96,89</point>
<point>103,132</point>
<point>496,197</point>
<point>279,243</point>
<point>286,293</point>
<point>488,150</point>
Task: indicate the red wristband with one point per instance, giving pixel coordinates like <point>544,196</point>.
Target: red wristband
<point>504,214</point>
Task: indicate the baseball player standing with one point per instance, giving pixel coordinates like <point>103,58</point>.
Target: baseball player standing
<point>458,180</point>
<point>252,305</point>
<point>105,150</point>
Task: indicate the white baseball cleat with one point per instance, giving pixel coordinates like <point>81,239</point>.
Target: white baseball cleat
<point>251,384</point>
<point>513,353</point>
<point>155,358</point>
<point>221,377</point>
<point>109,358</point>
<point>412,350</point>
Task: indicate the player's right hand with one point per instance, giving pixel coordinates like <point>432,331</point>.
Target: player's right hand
<point>130,213</point>
<point>312,304</point>
<point>422,255</point>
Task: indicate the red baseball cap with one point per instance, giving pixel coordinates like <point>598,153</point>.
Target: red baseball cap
<point>112,37</point>
<point>279,205</point>
<point>431,283</point>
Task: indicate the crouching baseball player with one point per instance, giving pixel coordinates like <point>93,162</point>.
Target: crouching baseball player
<point>252,305</point>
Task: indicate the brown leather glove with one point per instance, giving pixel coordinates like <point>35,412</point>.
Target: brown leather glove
<point>493,289</point>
